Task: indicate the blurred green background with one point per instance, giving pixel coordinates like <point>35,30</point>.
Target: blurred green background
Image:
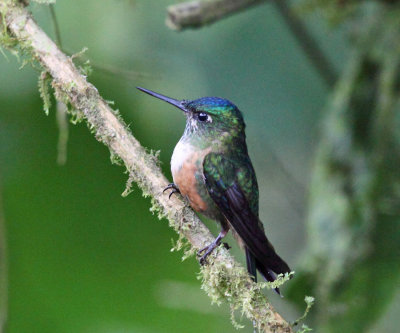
<point>83,259</point>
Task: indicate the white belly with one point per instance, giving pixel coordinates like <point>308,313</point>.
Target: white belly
<point>181,153</point>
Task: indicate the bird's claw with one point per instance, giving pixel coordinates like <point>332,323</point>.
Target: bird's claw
<point>174,188</point>
<point>171,185</point>
<point>208,250</point>
<point>204,257</point>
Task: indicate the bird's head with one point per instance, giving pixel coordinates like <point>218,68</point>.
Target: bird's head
<point>207,116</point>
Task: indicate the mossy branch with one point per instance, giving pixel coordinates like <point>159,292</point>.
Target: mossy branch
<point>223,278</point>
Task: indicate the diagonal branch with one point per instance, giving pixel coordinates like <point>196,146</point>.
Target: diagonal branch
<point>223,277</point>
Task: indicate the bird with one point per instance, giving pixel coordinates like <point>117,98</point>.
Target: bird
<point>211,168</point>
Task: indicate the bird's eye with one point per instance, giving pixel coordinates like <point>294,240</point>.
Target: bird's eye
<point>202,116</point>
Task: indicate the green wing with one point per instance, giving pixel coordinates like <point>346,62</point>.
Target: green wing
<point>231,186</point>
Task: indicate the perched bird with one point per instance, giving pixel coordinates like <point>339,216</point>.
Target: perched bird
<point>211,167</point>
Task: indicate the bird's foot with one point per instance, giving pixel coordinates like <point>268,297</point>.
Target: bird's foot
<point>174,188</point>
<point>210,248</point>
<point>207,251</point>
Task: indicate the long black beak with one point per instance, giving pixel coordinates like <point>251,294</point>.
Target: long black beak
<point>179,104</point>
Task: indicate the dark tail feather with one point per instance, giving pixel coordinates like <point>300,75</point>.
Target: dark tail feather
<point>268,275</point>
<point>274,264</point>
<point>251,265</point>
<point>251,268</point>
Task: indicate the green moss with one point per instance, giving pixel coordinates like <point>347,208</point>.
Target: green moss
<point>115,159</point>
<point>234,321</point>
<point>227,281</point>
<point>44,90</point>
<point>128,186</point>
<point>182,244</point>
<point>76,116</point>
<point>304,329</point>
<point>309,302</point>
<point>230,282</point>
<point>7,41</point>
<point>86,69</point>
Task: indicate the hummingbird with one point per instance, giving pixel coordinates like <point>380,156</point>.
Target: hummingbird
<point>211,168</point>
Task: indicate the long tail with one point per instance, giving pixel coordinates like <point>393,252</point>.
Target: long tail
<point>279,266</point>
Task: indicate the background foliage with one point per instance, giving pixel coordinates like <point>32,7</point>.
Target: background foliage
<point>83,259</point>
